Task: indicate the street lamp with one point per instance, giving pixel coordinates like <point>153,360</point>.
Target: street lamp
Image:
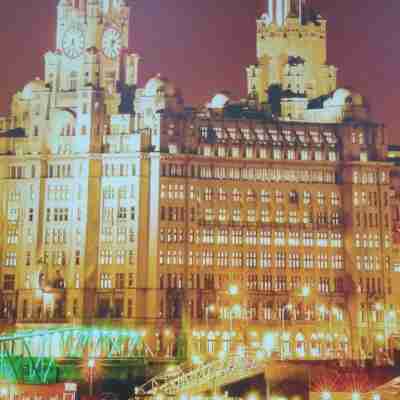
<point>3,392</point>
<point>91,365</point>
<point>305,291</point>
<point>326,396</point>
<point>286,307</point>
<point>209,309</point>
<point>233,290</point>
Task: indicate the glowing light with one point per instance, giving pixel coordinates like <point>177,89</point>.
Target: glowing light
<point>184,397</point>
<point>380,337</point>
<point>236,309</point>
<point>326,396</point>
<point>305,291</point>
<point>221,355</point>
<point>3,391</point>
<point>91,363</point>
<point>233,290</point>
<point>252,396</point>
<point>260,355</point>
<point>391,314</point>
<point>356,396</point>
<point>241,351</point>
<point>211,308</point>
<point>196,359</point>
<point>269,342</point>
<point>376,396</point>
<point>378,306</point>
<point>171,369</point>
<point>167,332</point>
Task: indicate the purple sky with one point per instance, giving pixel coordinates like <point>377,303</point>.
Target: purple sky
<point>204,46</point>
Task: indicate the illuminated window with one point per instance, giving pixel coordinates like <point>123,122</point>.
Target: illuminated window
<point>251,260</point>
<point>120,281</point>
<point>265,238</point>
<point>265,216</point>
<point>236,215</point>
<point>106,256</point>
<point>308,261</point>
<point>279,196</point>
<point>11,259</point>
<point>266,260</point>
<point>279,238</point>
<point>237,237</point>
<point>120,257</point>
<point>236,195</point>
<point>9,282</point>
<point>320,198</point>
<point>306,197</point>
<point>265,196</point>
<point>251,215</point>
<point>12,237</point>
<point>77,280</point>
<point>280,259</point>
<point>280,217</point>
<point>222,259</point>
<point>105,281</point>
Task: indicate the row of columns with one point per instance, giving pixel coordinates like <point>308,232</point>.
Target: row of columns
<point>278,10</point>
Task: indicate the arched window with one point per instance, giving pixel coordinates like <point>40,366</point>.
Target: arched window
<point>211,342</point>
<point>73,81</point>
<point>286,348</point>
<point>300,345</point>
<point>226,342</point>
<point>330,350</point>
<point>315,346</point>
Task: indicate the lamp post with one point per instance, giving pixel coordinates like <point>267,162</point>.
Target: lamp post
<point>233,290</point>
<point>390,326</point>
<point>91,365</point>
<point>209,310</point>
<point>5,393</point>
<point>286,307</point>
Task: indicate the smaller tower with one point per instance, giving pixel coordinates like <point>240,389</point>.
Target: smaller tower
<point>64,11</point>
<point>93,20</point>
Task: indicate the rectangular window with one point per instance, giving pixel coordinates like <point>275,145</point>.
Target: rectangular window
<point>11,259</point>
<point>105,281</point>
<point>120,281</point>
<point>9,282</point>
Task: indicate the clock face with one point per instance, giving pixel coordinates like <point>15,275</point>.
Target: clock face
<point>73,43</point>
<point>112,43</point>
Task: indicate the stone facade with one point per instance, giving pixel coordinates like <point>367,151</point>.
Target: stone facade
<point>226,223</point>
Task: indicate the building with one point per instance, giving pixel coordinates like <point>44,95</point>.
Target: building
<point>265,222</point>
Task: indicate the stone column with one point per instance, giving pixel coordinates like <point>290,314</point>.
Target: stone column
<point>280,12</point>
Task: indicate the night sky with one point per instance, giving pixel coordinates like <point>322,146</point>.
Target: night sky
<point>204,46</point>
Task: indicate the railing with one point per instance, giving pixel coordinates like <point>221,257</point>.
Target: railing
<point>33,355</point>
<point>215,374</point>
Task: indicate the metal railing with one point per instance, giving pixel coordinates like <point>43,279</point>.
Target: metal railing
<point>209,376</point>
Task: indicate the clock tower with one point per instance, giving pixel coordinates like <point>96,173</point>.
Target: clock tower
<point>92,48</point>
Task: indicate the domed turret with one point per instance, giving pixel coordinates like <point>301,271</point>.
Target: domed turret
<point>159,85</point>
<point>219,101</point>
<point>65,3</point>
<point>342,97</point>
<point>33,86</point>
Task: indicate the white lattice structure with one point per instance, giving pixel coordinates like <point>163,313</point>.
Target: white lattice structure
<point>207,377</point>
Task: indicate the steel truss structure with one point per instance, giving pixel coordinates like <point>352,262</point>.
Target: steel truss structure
<point>207,377</point>
<point>32,356</point>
